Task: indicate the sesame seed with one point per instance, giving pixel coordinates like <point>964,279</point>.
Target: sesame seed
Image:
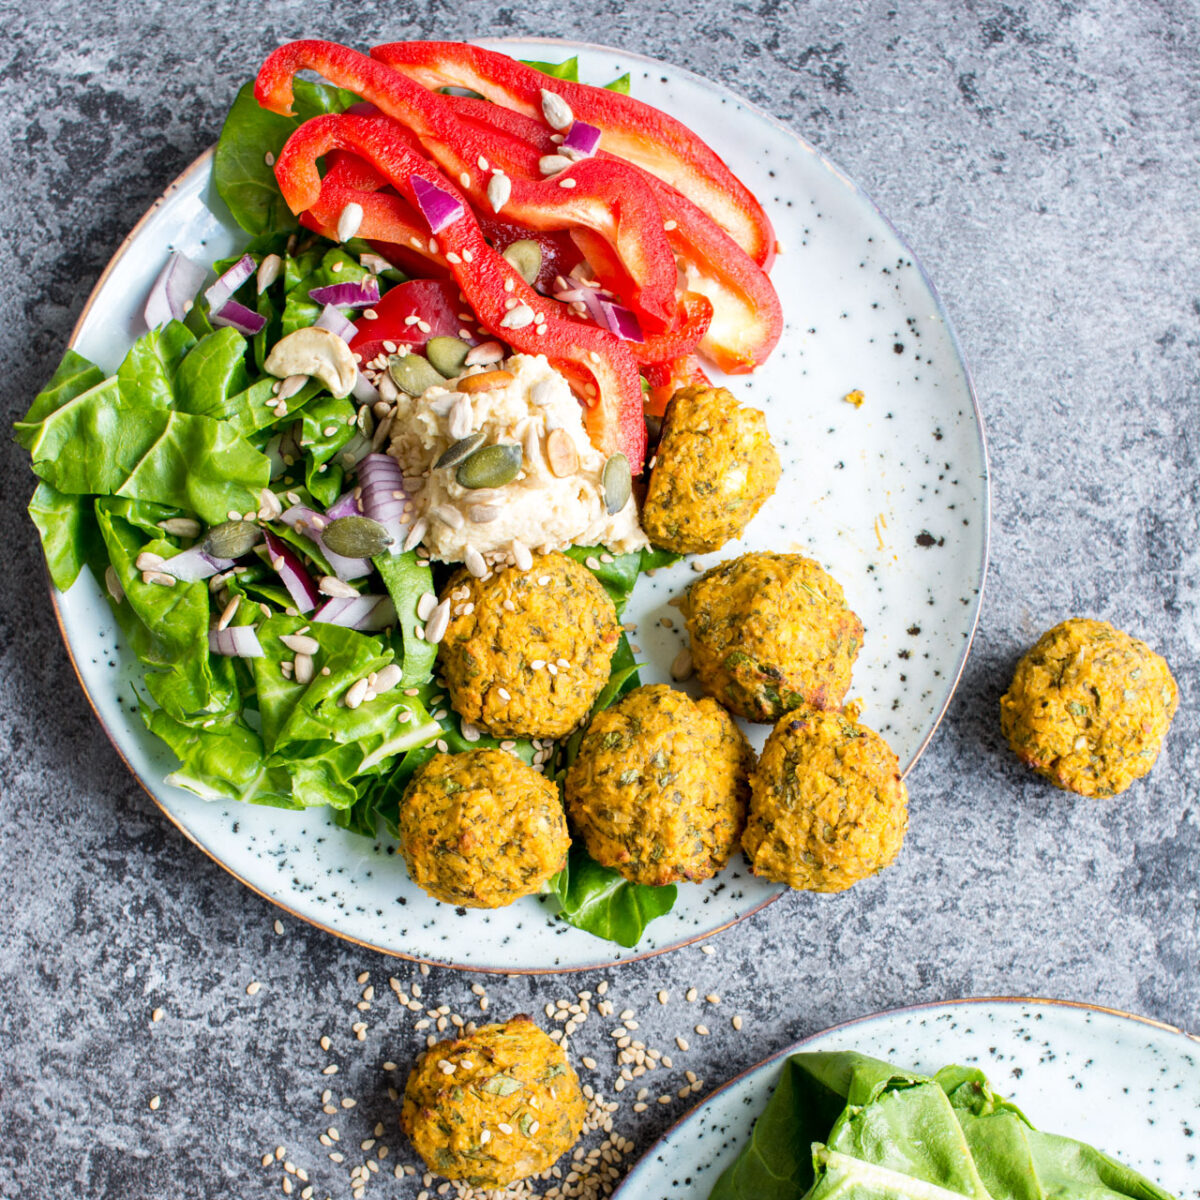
<point>736,1022</point>
<point>707,950</point>
<point>702,1030</point>
<point>681,1042</point>
<point>155,1101</point>
<point>664,996</point>
<point>713,998</point>
<point>253,988</point>
<point>329,1070</point>
<point>157,1015</point>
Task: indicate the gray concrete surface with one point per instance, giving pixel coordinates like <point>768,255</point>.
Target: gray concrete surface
<point>1042,159</point>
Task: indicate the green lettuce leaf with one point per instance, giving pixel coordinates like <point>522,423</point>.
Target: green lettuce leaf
<point>843,1125</point>
<point>68,531</point>
<point>408,578</point>
<point>241,173</point>
<point>569,70</point>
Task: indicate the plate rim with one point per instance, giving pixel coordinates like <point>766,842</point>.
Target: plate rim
<point>203,162</point>
<point>854,1022</point>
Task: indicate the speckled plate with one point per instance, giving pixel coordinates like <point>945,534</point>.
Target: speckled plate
<point>1127,1085</point>
<point>892,497</point>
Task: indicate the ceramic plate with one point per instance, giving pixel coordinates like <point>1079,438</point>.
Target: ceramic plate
<point>1129,1086</point>
<point>891,497</point>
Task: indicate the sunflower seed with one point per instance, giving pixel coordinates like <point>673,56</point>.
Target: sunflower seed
<point>148,561</point>
<point>180,527</point>
<point>482,514</point>
<point>304,669</point>
<point>484,354</point>
<point>425,605</point>
<point>557,111</point>
<point>268,272</point>
<point>289,387</point>
<point>543,393</point>
<point>349,219</point>
<point>355,694</point>
<point>298,643</point>
<point>330,585</point>
<point>460,420</point>
<point>439,620</point>
<point>387,678</point>
<point>448,515</point>
<point>415,534</point>
<point>474,562</point>
<point>521,556</point>
<point>112,583</point>
<point>499,190</point>
<point>551,164</point>
<point>518,318</point>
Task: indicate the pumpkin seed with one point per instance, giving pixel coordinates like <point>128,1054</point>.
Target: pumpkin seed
<point>490,467</point>
<point>413,374</point>
<point>617,482</point>
<point>502,1085</point>
<point>461,449</point>
<point>356,537</point>
<point>232,539</point>
<point>447,355</point>
<point>526,257</point>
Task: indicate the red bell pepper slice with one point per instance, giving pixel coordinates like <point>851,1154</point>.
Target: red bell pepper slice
<point>598,362</point>
<point>607,196</point>
<point>635,131</point>
<point>435,302</point>
<point>666,378</point>
<point>747,317</point>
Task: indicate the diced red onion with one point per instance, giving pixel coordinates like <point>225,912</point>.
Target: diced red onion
<point>336,322</point>
<point>588,296</point>
<point>173,290</point>
<point>346,505</point>
<point>582,137</point>
<point>230,281</point>
<point>235,641</point>
<point>237,316</point>
<point>300,518</point>
<point>438,207</point>
<point>190,566</point>
<point>287,565</point>
<point>359,294</point>
<point>365,613</point>
<point>622,321</point>
<point>383,496</point>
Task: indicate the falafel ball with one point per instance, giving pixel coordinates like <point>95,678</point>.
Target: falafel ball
<point>507,630</point>
<point>828,807</point>
<point>481,828</point>
<point>770,632</point>
<point>714,469</point>
<point>660,785</point>
<point>493,1106</point>
<point>1089,707</point>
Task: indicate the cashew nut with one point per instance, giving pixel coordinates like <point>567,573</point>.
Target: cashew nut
<point>315,352</point>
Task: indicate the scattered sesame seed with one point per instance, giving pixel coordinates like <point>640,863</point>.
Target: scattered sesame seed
<point>707,950</point>
<point>702,1030</point>
<point>681,1042</point>
<point>155,1101</point>
<point>664,996</point>
<point>736,1022</point>
<point>253,988</point>
<point>157,1015</point>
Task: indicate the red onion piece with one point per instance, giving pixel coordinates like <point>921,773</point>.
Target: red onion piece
<point>237,316</point>
<point>365,392</point>
<point>333,320</point>
<point>360,294</point>
<point>364,613</point>
<point>346,505</point>
<point>190,566</point>
<point>173,290</point>
<point>582,137</point>
<point>235,641</point>
<point>383,496</point>
<point>300,518</point>
<point>622,321</point>
<point>230,281</point>
<point>438,207</point>
<point>287,565</point>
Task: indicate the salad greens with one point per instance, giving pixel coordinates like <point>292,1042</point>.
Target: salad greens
<point>843,1125</point>
<point>188,434</point>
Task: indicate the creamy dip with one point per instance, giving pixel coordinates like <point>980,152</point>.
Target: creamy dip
<point>538,510</point>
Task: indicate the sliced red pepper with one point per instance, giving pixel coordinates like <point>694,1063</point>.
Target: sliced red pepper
<point>402,310</point>
<point>605,195</point>
<point>598,362</point>
<point>682,339</point>
<point>635,131</point>
<point>666,378</point>
<point>747,317</point>
<point>560,255</point>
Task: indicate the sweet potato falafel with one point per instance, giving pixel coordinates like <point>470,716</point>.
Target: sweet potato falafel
<point>1089,707</point>
<point>714,469</point>
<point>493,1106</point>
<point>828,807</point>
<point>527,652</point>
<point>659,787</point>
<point>481,828</point>
<point>770,632</point>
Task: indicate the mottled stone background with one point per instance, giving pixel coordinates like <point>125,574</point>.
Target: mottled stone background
<point>1043,161</point>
